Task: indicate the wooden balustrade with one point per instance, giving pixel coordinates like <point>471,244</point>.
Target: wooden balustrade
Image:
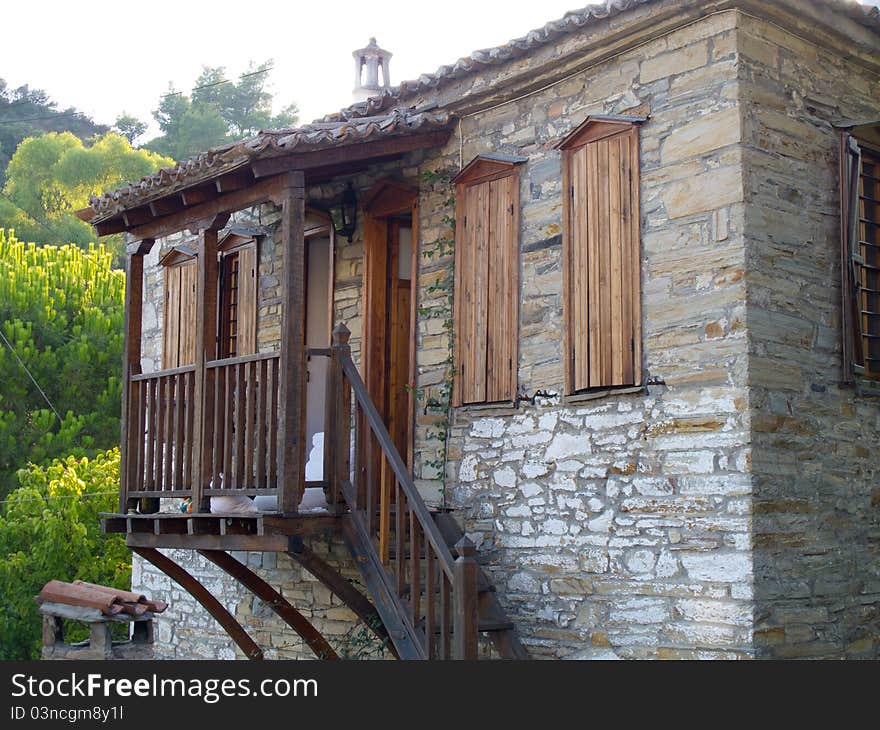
<point>438,593</point>
<point>242,437</point>
<point>161,433</point>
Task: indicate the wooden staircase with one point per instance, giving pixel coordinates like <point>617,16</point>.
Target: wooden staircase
<point>419,567</point>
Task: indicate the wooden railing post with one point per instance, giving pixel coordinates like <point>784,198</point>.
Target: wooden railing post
<point>206,349</point>
<point>465,617</point>
<point>337,425</point>
<point>292,383</point>
<point>131,365</point>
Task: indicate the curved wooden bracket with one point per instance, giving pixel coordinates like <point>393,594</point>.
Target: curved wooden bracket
<point>202,595</point>
<point>278,603</point>
<point>336,583</point>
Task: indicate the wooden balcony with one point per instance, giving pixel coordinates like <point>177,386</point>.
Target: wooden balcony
<point>238,417</point>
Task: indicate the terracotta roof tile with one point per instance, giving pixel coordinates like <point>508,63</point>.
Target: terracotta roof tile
<point>270,143</point>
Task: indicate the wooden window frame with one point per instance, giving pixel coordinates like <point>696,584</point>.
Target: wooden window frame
<point>592,130</point>
<point>486,169</point>
<point>860,257</point>
<point>229,248</point>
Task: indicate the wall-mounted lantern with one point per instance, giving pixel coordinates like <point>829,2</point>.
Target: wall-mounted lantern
<point>344,213</point>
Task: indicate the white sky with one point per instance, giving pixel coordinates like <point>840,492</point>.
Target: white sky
<point>107,58</point>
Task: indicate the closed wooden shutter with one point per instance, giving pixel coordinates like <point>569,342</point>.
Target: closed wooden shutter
<point>188,279</point>
<point>247,301</point>
<point>486,290</point>
<point>179,326</point>
<point>602,274</point>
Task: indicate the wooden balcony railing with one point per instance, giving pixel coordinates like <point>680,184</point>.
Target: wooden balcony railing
<point>434,595</point>
<point>238,419</point>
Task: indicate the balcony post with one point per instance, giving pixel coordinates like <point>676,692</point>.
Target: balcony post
<point>292,384</point>
<point>465,631</point>
<point>337,421</point>
<point>131,365</point>
<point>206,349</point>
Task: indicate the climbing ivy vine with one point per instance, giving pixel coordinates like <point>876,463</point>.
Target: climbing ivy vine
<point>438,400</point>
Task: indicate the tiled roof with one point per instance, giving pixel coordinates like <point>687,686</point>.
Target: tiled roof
<point>385,114</point>
<point>109,601</point>
<point>273,143</point>
<point>571,22</point>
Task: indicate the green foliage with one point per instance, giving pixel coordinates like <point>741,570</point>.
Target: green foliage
<point>51,176</point>
<point>61,309</point>
<point>217,111</point>
<point>129,127</point>
<point>26,112</point>
<point>49,530</point>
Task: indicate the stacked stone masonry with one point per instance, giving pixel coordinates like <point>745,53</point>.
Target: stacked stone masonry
<point>730,508</point>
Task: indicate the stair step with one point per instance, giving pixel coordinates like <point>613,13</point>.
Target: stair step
<point>489,625</point>
<point>484,625</point>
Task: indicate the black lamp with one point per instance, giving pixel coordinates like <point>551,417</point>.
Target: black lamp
<point>344,214</point>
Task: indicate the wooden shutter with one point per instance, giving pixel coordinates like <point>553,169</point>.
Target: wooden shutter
<point>179,326</point>
<point>486,289</point>
<point>188,278</point>
<point>601,257</point>
<point>247,301</point>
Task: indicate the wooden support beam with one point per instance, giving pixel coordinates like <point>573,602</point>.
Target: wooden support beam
<point>206,349</point>
<point>166,206</point>
<point>274,600</point>
<point>137,216</point>
<point>341,588</point>
<point>292,393</point>
<point>234,181</point>
<point>202,595</point>
<point>196,195</point>
<point>111,226</point>
<point>131,365</point>
<point>349,153</point>
<point>140,248</point>
<point>260,192</point>
<point>254,543</point>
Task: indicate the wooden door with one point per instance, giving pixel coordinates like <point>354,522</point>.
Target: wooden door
<point>387,353</point>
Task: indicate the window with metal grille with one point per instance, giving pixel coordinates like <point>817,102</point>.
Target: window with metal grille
<point>860,223</point>
<point>236,334</point>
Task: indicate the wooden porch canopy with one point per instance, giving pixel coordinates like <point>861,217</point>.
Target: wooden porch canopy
<point>200,195</point>
<point>237,176</point>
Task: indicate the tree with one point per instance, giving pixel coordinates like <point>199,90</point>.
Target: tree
<point>217,111</point>
<point>129,127</point>
<point>26,112</point>
<point>50,529</point>
<point>61,313</point>
<point>51,176</point>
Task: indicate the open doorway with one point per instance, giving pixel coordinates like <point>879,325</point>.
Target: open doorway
<point>318,316</point>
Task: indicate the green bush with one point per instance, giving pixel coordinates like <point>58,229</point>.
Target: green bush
<point>61,309</point>
<point>49,530</point>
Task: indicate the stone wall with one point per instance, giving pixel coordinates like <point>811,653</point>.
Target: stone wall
<point>620,525</point>
<point>815,458</point>
<point>728,509</point>
<point>187,631</point>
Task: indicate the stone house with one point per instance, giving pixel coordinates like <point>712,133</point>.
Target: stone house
<point>612,289</point>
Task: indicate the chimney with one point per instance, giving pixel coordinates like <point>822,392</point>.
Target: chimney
<point>369,64</point>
